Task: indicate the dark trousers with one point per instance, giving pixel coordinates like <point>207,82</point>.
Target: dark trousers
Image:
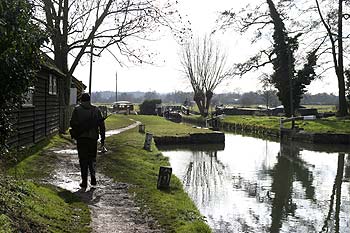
<point>87,151</point>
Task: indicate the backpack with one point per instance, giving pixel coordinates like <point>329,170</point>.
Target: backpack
<point>85,126</point>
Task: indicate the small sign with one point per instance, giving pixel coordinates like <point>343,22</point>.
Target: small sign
<point>148,141</point>
<point>164,177</point>
<point>142,128</point>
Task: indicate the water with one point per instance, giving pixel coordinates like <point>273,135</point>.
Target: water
<point>253,185</point>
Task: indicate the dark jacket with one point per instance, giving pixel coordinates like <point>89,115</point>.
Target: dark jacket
<point>88,120</point>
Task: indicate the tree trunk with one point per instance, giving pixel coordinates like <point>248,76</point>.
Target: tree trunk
<point>199,98</point>
<point>61,60</point>
<point>340,71</point>
<point>200,105</point>
<point>208,97</point>
<point>64,92</point>
<point>338,184</point>
<point>342,99</point>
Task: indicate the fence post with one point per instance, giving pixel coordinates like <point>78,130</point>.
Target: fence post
<point>281,123</point>
<point>142,128</point>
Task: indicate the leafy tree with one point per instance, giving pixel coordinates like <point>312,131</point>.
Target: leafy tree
<point>204,65</point>
<point>148,107</point>
<point>20,40</point>
<point>114,25</point>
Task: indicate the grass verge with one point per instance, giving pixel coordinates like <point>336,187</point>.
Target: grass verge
<point>116,121</point>
<point>159,126</point>
<point>32,164</point>
<point>325,125</point>
<point>129,163</point>
<point>28,206</point>
<point>268,122</point>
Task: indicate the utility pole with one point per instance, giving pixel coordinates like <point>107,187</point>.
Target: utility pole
<point>91,61</point>
<point>116,86</point>
<point>291,84</point>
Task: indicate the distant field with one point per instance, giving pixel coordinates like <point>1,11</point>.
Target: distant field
<point>323,108</point>
<point>320,108</point>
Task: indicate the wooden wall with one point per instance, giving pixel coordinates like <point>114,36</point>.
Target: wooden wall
<point>34,123</point>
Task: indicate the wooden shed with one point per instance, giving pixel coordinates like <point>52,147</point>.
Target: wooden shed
<point>39,116</point>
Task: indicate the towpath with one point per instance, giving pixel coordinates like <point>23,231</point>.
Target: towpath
<point>112,206</point>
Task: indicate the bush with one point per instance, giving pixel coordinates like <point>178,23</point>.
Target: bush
<point>148,107</point>
<point>20,40</point>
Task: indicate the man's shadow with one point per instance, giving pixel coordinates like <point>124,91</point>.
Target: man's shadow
<point>83,194</point>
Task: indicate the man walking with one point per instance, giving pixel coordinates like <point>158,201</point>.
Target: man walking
<point>87,123</point>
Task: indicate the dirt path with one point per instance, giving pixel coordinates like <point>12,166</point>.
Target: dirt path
<point>112,207</point>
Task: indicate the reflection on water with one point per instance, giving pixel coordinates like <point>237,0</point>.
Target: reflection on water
<point>260,186</point>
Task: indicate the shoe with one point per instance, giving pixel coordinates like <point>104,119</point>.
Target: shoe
<point>83,186</point>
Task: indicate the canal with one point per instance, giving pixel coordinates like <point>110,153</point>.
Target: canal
<point>255,185</point>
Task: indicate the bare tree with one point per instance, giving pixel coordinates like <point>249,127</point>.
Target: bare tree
<point>116,25</point>
<point>333,23</point>
<point>317,26</point>
<point>204,65</point>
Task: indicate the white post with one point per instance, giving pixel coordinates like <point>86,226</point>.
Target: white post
<point>281,123</point>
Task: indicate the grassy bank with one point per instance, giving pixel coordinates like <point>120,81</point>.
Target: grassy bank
<point>31,164</point>
<point>159,126</point>
<point>129,163</point>
<point>26,205</point>
<point>326,125</point>
<point>116,121</point>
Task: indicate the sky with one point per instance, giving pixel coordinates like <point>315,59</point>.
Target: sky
<point>165,76</point>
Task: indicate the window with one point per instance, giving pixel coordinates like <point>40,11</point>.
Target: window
<point>28,97</point>
<point>52,85</point>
